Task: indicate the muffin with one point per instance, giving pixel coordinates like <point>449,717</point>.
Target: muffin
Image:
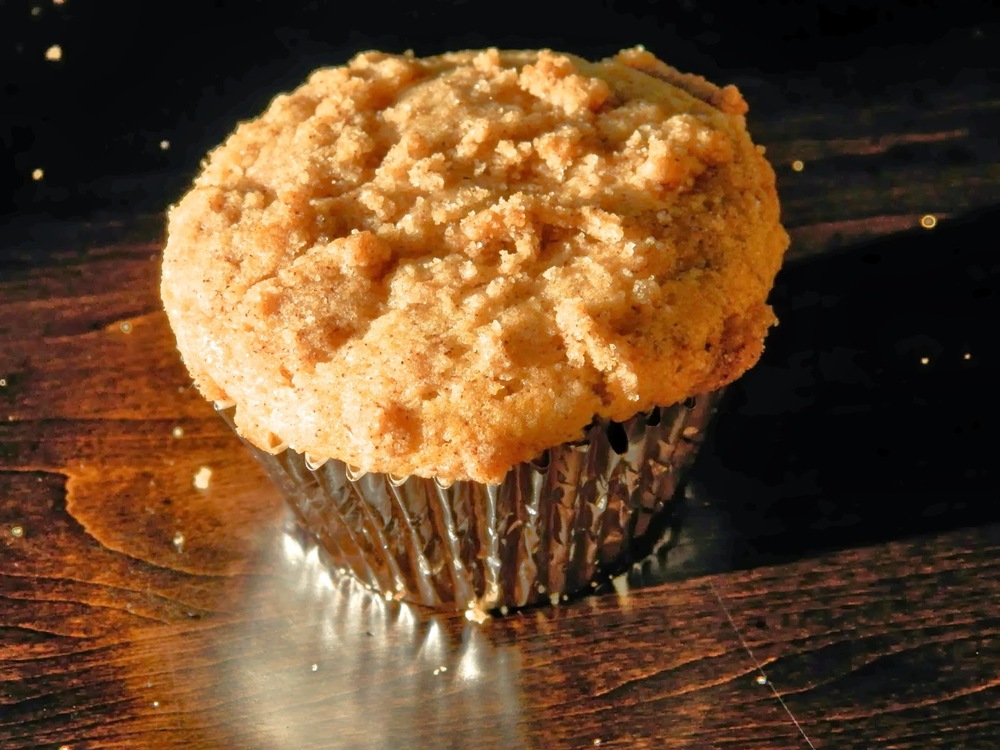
<point>460,305</point>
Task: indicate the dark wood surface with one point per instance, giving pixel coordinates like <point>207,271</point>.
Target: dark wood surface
<point>832,579</point>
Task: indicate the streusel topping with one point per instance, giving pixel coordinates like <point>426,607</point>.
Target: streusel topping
<point>442,266</point>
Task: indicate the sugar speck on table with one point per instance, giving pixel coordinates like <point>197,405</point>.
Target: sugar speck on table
<point>202,478</point>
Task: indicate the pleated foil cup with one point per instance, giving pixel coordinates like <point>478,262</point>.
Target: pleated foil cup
<point>551,529</point>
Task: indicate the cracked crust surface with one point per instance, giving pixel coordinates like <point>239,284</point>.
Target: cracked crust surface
<point>443,266</point>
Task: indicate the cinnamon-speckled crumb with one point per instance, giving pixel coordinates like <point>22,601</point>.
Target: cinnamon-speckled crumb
<point>443,266</point>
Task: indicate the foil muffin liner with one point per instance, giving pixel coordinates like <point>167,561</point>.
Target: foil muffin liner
<point>552,528</point>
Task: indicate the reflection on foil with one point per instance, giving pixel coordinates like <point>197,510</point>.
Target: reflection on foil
<point>369,670</point>
<point>695,538</point>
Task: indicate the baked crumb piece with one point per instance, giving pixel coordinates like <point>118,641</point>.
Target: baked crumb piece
<point>475,613</point>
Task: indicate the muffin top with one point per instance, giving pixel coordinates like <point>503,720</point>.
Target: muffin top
<point>443,266</point>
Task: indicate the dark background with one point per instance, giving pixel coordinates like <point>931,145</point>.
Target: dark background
<point>133,74</point>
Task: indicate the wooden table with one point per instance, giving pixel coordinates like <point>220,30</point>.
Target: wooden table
<point>832,579</point>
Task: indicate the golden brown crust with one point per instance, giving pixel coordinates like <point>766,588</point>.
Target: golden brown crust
<point>443,266</point>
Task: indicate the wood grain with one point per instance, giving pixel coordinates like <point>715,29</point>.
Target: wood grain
<point>898,642</point>
<point>871,169</point>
